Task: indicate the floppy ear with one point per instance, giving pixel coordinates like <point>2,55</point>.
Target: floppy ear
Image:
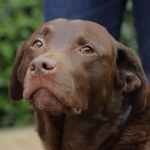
<point>15,88</point>
<point>131,77</point>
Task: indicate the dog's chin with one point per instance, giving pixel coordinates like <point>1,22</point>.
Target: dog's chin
<point>43,100</point>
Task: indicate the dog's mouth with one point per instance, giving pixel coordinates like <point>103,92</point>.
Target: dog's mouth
<point>43,100</point>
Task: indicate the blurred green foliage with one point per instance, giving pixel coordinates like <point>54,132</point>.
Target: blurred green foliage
<point>128,33</point>
<point>19,19</point>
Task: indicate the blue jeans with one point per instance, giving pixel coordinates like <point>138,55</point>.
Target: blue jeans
<point>108,13</point>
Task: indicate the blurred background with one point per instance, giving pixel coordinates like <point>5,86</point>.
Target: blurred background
<point>18,19</point>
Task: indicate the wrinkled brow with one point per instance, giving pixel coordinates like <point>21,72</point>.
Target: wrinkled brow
<point>82,40</point>
<point>46,31</point>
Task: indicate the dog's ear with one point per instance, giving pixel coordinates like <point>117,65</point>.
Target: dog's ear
<point>130,76</point>
<point>15,88</point>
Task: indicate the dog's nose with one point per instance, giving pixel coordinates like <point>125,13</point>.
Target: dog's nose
<point>42,66</point>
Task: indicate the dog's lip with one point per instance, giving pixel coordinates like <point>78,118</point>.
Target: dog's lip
<point>27,94</point>
<point>33,101</point>
<point>30,97</point>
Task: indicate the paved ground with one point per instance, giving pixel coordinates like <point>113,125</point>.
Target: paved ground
<point>24,138</point>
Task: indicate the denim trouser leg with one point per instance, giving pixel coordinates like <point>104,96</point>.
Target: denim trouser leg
<point>105,12</point>
<point>141,12</point>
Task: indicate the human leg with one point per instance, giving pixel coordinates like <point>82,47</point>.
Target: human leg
<point>141,12</point>
<point>105,12</point>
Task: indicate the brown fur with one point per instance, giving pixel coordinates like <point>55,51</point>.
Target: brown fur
<point>79,99</point>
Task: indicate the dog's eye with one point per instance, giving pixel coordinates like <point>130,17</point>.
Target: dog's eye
<point>87,50</point>
<point>37,44</point>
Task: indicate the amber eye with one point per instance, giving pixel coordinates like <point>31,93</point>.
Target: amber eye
<point>87,50</point>
<point>37,44</point>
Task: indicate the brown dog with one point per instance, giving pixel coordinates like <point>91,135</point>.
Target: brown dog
<point>89,92</point>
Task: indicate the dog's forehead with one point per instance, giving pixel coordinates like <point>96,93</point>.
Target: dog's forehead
<point>73,28</point>
<point>75,25</point>
<point>65,33</point>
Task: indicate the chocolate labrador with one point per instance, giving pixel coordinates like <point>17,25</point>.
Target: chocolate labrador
<point>89,92</point>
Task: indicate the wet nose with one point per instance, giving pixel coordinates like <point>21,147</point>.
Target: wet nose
<point>42,66</point>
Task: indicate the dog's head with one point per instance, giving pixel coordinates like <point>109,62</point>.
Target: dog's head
<point>71,66</point>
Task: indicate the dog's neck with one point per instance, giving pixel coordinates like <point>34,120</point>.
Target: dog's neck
<point>71,132</point>
<point>87,133</point>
